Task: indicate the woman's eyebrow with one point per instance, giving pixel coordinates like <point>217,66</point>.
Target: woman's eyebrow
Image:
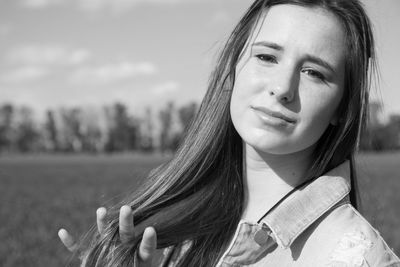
<point>319,61</point>
<point>269,44</point>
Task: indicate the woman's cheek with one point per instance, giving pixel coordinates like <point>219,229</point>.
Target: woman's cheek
<point>318,120</point>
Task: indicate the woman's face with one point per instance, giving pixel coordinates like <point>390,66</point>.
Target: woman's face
<point>290,80</point>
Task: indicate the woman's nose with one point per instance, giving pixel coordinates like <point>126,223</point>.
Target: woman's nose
<point>284,86</point>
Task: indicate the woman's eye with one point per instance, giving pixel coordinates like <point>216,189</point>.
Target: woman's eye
<point>267,58</point>
<point>314,74</point>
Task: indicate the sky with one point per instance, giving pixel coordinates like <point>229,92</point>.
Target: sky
<point>140,52</point>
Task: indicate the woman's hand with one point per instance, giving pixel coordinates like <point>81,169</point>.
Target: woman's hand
<point>146,248</point>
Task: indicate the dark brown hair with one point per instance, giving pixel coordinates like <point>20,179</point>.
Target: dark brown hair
<point>198,195</point>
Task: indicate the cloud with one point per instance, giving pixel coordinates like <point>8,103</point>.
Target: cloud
<point>4,29</point>
<point>120,5</point>
<point>79,66</point>
<point>166,88</point>
<point>28,63</point>
<point>116,6</point>
<point>37,4</point>
<point>47,55</point>
<point>115,72</point>
<point>23,74</point>
<point>220,17</point>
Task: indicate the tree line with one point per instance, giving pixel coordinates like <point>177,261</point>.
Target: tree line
<point>114,128</point>
<point>380,135</point>
<point>87,129</point>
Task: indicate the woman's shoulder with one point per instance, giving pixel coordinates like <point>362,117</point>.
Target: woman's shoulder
<point>354,240</point>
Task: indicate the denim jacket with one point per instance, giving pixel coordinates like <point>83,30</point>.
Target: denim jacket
<point>314,226</point>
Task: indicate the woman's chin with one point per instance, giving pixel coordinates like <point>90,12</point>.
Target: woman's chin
<point>270,147</point>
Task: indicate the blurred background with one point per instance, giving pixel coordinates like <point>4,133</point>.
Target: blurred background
<point>95,93</point>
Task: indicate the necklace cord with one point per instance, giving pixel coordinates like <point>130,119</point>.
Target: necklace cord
<point>286,196</point>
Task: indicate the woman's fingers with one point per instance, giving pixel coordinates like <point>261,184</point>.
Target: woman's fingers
<point>147,247</point>
<point>67,240</point>
<point>126,224</point>
<point>148,244</point>
<point>101,219</point>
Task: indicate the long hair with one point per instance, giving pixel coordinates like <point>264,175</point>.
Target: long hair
<point>198,195</point>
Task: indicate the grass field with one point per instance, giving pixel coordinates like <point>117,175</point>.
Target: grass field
<point>41,194</point>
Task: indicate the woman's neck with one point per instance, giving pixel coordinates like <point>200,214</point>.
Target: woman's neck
<point>267,178</point>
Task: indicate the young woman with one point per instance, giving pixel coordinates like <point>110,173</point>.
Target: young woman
<point>265,175</point>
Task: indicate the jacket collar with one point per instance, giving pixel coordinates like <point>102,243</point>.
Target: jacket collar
<point>306,205</point>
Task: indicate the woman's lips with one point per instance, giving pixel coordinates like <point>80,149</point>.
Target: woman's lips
<point>274,114</point>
